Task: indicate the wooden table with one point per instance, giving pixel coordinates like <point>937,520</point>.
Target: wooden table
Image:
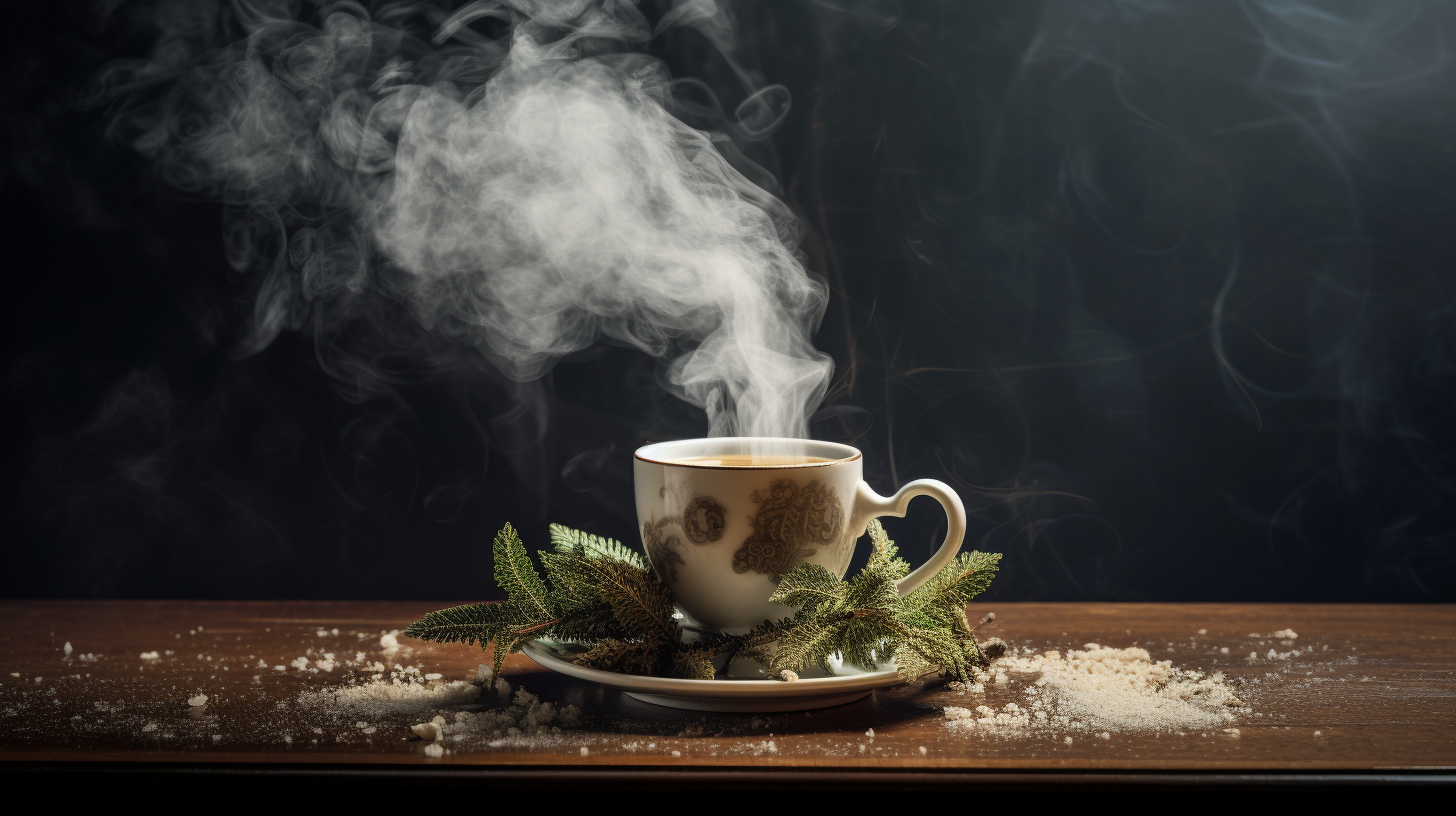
<point>1371,699</point>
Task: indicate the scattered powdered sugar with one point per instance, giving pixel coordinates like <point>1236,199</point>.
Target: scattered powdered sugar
<point>955,713</point>
<point>430,731</point>
<point>370,700</point>
<point>405,691</point>
<point>401,691</point>
<point>1103,690</point>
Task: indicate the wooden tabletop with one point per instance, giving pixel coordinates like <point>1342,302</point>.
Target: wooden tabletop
<point>1371,695</point>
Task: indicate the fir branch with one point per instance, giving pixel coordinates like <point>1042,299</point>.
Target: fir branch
<point>603,596</point>
<point>961,580</point>
<point>811,588</point>
<point>509,625</point>
<point>619,656</point>
<point>694,663</point>
<point>884,548</point>
<point>757,644</point>
<point>565,539</point>
<point>515,573</point>
<point>639,601</point>
<point>912,664</point>
<point>463,624</point>
<point>875,588</point>
<point>575,593</point>
<point>811,641</point>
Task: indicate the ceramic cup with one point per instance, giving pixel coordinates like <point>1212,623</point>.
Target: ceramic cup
<point>721,537</point>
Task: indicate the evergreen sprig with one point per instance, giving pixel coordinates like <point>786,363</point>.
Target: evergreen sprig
<point>602,596</point>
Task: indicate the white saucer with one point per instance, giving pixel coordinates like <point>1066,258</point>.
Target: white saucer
<point>846,685</point>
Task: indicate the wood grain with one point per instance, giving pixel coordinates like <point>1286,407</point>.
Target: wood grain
<point>1374,691</point>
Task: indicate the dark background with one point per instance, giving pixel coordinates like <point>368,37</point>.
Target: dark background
<point>1163,289</point>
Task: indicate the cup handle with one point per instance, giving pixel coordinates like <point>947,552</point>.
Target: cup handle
<point>870,505</point>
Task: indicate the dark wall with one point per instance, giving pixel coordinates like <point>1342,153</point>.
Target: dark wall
<point>1164,289</point>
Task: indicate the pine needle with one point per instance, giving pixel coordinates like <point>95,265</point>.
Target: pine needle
<point>565,539</point>
<point>515,573</point>
<point>603,596</point>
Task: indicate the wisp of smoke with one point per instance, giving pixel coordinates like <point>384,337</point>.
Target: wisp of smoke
<point>525,192</point>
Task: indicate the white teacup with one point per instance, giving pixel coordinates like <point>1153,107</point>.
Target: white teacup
<point>721,533</point>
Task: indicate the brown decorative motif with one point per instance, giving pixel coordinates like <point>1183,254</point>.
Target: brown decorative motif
<point>791,522</point>
<point>662,552</point>
<point>702,521</point>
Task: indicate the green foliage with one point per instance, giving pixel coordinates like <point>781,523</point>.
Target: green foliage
<point>812,589</point>
<point>515,573</point>
<point>462,624</point>
<point>565,539</point>
<point>602,596</point>
<point>757,644</point>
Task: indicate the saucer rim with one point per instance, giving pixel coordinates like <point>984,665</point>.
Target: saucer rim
<point>678,687</point>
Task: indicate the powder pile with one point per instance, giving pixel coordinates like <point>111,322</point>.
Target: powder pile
<point>1100,690</point>
<point>403,691</point>
<point>518,716</point>
<point>526,716</point>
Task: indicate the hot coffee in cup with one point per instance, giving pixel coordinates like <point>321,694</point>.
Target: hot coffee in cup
<point>724,519</point>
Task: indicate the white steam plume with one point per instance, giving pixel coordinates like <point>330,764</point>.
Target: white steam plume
<point>527,195</point>
<point>566,204</point>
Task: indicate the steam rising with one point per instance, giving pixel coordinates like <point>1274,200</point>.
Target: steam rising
<point>526,195</point>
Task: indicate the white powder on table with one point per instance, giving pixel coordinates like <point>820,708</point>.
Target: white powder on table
<point>1101,689</point>
<point>392,696</point>
<point>430,731</point>
<point>518,718</point>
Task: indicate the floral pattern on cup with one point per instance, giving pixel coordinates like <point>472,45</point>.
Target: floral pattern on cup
<point>662,552</point>
<point>791,523</point>
<point>702,521</point>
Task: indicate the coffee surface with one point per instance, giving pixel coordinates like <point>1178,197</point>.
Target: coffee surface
<point>749,460</point>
